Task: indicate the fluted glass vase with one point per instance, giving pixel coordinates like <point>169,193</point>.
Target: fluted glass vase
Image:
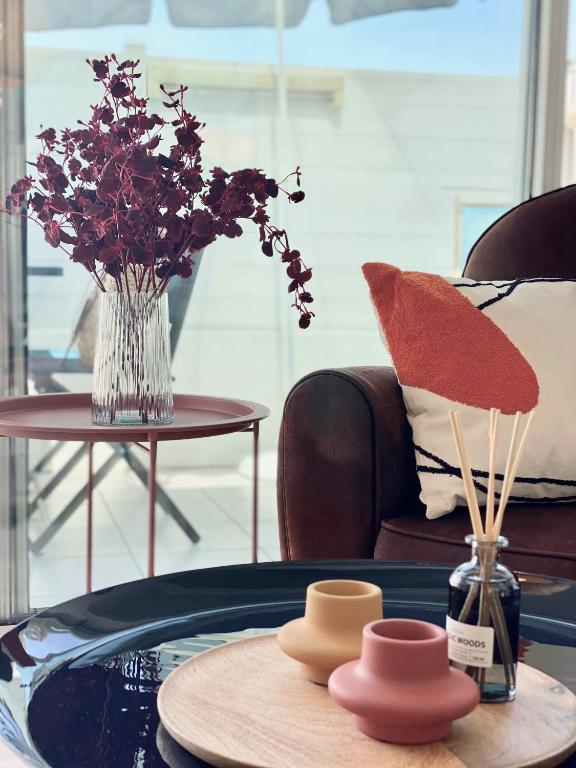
<point>132,382</point>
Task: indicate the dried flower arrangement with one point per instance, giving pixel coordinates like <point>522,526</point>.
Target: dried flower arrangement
<point>112,201</point>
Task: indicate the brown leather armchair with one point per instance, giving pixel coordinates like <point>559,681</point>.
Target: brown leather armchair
<point>347,483</point>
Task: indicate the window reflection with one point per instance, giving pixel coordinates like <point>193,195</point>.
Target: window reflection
<point>407,133</point>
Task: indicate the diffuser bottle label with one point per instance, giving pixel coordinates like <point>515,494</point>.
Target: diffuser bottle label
<point>469,644</point>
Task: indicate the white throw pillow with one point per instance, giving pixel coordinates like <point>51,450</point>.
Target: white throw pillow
<point>467,345</point>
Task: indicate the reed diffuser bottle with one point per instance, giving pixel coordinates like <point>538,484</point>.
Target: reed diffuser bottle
<point>483,620</point>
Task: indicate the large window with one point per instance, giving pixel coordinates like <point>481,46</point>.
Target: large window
<point>408,125</point>
<point>401,122</point>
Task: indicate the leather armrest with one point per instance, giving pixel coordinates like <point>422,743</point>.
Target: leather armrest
<point>345,460</point>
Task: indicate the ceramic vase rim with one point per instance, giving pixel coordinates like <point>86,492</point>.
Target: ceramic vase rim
<point>437,634</point>
<point>369,590</point>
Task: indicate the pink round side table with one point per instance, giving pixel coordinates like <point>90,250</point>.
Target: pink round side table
<point>67,417</point>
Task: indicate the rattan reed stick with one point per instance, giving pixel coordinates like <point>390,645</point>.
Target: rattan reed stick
<point>466,475</point>
<point>494,414</point>
<point>507,470</point>
<point>510,477</point>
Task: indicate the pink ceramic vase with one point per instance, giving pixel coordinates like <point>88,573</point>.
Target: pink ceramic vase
<point>402,688</point>
<point>330,633</point>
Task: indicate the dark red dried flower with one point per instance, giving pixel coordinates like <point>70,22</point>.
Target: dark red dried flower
<point>296,197</point>
<point>128,211</point>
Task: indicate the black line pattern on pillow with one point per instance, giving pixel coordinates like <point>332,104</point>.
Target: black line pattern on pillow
<point>444,468</point>
<point>509,286</point>
<point>505,283</point>
<point>499,296</point>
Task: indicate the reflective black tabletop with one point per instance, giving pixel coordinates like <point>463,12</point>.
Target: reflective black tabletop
<point>78,682</point>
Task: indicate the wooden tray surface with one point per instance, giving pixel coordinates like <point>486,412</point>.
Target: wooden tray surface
<point>244,705</point>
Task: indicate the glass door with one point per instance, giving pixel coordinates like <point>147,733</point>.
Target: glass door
<point>407,119</point>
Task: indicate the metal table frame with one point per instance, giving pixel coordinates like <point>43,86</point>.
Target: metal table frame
<point>71,416</point>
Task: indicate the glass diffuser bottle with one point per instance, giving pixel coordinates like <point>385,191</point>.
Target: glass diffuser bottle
<point>483,620</point>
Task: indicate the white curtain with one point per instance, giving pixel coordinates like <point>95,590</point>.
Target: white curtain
<point>63,14</point>
<point>41,15</point>
<point>342,11</point>
<point>234,13</point>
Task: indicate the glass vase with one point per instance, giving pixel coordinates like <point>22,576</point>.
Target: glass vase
<point>484,619</point>
<point>132,382</point>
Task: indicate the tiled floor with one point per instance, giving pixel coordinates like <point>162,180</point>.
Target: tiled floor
<point>216,501</point>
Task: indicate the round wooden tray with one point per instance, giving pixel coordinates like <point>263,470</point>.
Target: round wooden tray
<point>244,705</point>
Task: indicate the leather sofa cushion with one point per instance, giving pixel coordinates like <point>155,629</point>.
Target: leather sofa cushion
<point>542,538</point>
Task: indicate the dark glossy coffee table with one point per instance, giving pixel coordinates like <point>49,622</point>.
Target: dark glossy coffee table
<point>78,682</point>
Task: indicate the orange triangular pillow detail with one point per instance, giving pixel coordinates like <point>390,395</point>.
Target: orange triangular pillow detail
<point>439,341</point>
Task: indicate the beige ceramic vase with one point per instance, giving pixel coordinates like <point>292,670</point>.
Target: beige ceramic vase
<point>330,632</point>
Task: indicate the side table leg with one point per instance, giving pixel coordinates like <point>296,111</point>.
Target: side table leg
<point>255,430</point>
<point>89,494</point>
<point>152,506</point>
